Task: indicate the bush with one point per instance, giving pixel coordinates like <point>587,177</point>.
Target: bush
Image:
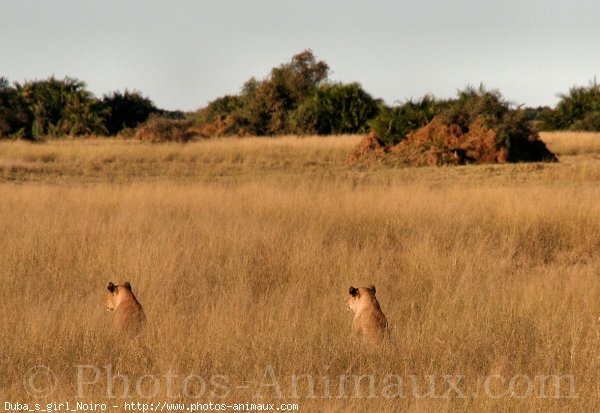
<point>221,117</point>
<point>57,108</point>
<point>513,129</point>
<point>548,120</point>
<point>126,110</point>
<point>15,116</point>
<point>295,98</point>
<point>224,105</point>
<point>477,127</point>
<point>471,103</point>
<point>264,107</point>
<point>590,122</point>
<point>577,110</point>
<point>335,109</point>
<point>158,129</point>
<point>393,124</point>
<point>62,107</point>
<point>576,105</point>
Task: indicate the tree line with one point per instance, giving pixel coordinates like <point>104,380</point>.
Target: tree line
<point>55,108</point>
<point>296,97</point>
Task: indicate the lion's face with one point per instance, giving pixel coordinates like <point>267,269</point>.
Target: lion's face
<point>359,296</point>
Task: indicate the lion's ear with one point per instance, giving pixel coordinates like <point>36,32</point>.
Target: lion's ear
<point>127,285</point>
<point>372,288</point>
<point>353,291</point>
<point>111,287</point>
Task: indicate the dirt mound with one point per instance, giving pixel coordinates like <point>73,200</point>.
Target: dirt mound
<point>369,150</point>
<point>438,143</point>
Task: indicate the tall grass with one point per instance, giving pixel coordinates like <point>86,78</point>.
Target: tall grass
<point>244,279</point>
<point>117,161</point>
<point>573,143</point>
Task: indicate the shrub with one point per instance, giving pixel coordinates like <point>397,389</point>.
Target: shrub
<point>511,126</point>
<point>393,124</point>
<point>61,107</point>
<point>471,103</point>
<point>335,109</point>
<point>579,109</point>
<point>82,115</point>
<point>477,127</point>
<point>548,119</point>
<point>264,107</point>
<point>575,105</point>
<point>224,105</point>
<point>15,116</point>
<point>158,129</point>
<point>126,110</point>
<point>221,117</point>
<point>590,122</point>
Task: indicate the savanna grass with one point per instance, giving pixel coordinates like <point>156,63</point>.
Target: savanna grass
<point>482,272</point>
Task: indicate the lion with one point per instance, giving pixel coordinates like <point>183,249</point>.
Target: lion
<point>129,315</point>
<point>369,323</point>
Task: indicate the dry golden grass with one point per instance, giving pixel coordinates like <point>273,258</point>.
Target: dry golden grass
<point>484,272</point>
<point>573,143</point>
<point>98,160</point>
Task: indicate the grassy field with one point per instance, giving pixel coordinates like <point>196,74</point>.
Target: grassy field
<point>242,251</point>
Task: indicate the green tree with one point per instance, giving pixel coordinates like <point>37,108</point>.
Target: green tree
<point>62,107</point>
<point>221,106</point>
<point>577,109</point>
<point>267,104</point>
<point>83,115</point>
<point>548,120</point>
<point>15,117</point>
<point>335,108</point>
<point>126,110</point>
<point>255,106</point>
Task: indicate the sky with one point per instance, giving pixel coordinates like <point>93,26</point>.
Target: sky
<point>184,53</point>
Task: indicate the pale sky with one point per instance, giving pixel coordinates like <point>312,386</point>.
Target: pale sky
<point>184,53</point>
